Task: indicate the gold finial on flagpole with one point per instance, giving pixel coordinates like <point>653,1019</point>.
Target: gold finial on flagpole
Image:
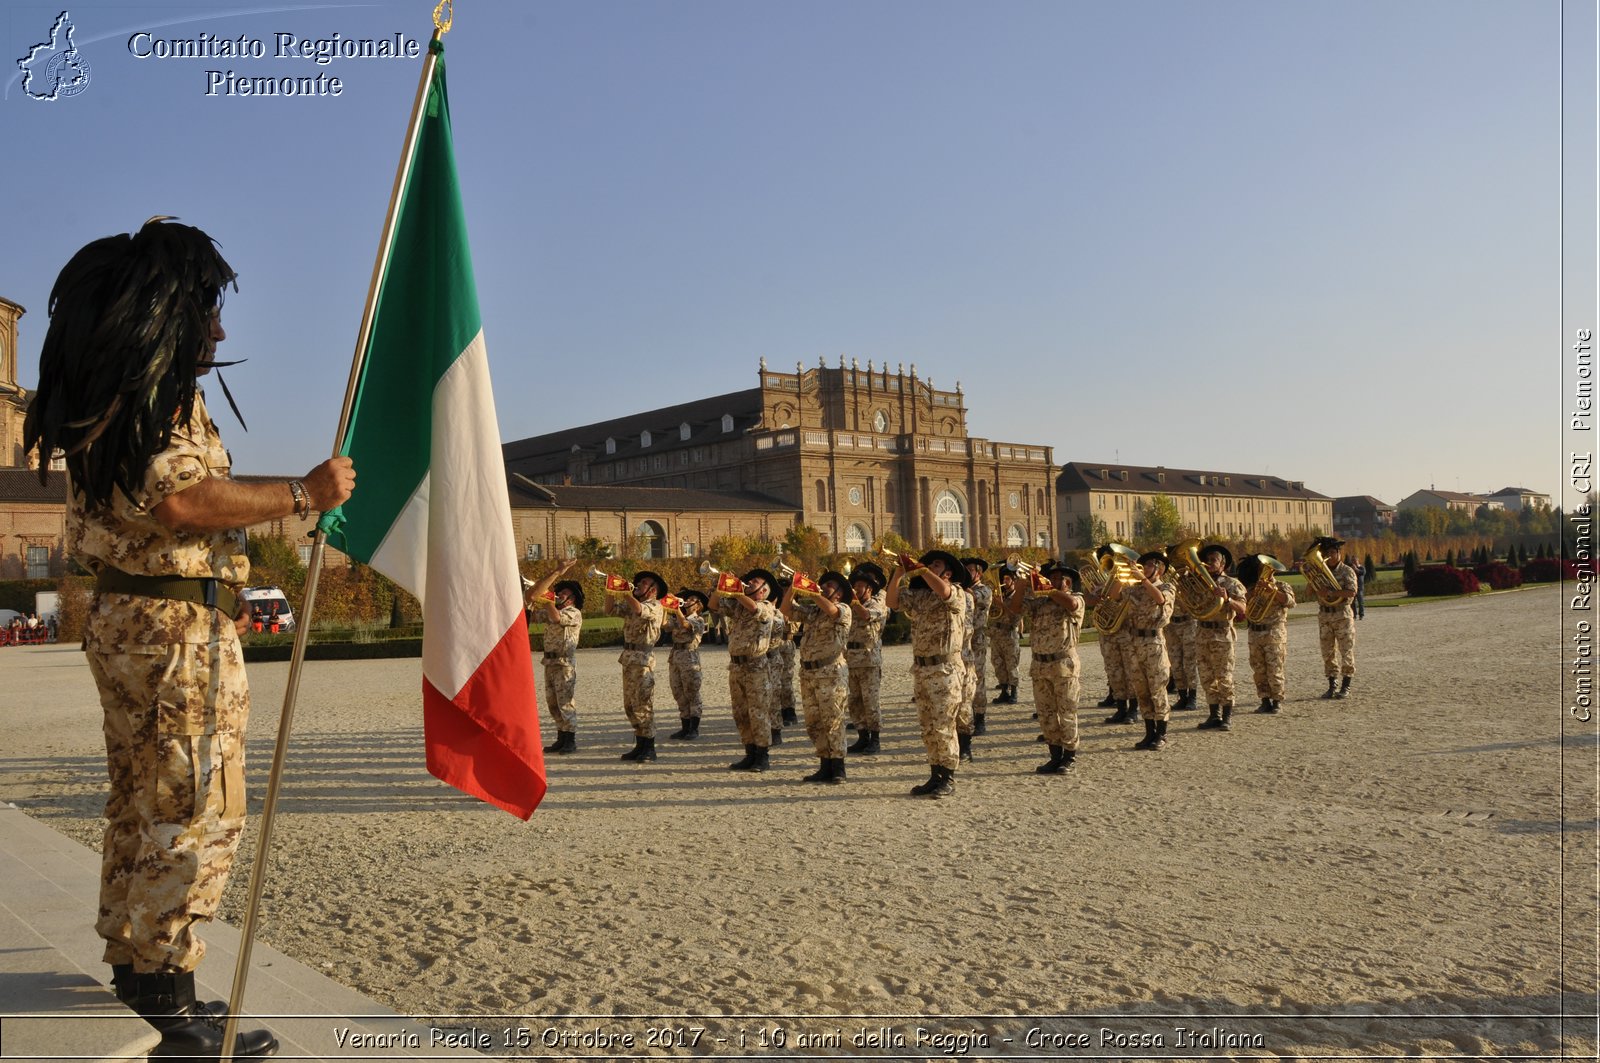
<point>444,14</point>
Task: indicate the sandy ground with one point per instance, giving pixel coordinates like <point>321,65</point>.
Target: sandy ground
<point>1388,875</point>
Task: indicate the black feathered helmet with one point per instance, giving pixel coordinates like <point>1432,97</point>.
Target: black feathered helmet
<point>130,331</point>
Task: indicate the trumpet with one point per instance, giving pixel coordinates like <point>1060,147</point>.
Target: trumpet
<point>1263,596</point>
<point>896,558</point>
<point>783,570</point>
<point>1114,563</point>
<point>1196,590</point>
<point>614,584</point>
<point>726,582</point>
<point>1029,571</point>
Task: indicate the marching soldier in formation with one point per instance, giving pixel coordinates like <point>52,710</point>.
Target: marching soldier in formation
<point>782,658</point>
<point>1336,625</point>
<point>937,611</point>
<point>686,626</point>
<point>1149,609</point>
<point>966,719</point>
<point>749,615</point>
<point>1180,635</point>
<point>1268,624</point>
<point>1214,641</point>
<point>1055,619</point>
<point>864,654</point>
<point>1005,639</point>
<point>561,602</point>
<point>641,628</point>
<point>824,677</point>
<point>982,603</point>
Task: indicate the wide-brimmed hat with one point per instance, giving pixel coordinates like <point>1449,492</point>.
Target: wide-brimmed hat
<point>572,587</point>
<point>951,561</point>
<point>836,578</point>
<point>1153,555</point>
<point>980,562</point>
<point>870,572</point>
<point>1053,568</point>
<point>771,581</point>
<point>1217,548</point>
<point>1006,570</point>
<point>699,596</point>
<point>654,577</point>
<point>1327,542</point>
<point>1249,569</point>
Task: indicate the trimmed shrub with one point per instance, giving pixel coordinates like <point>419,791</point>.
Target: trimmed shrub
<point>1432,580</point>
<point>1498,575</point>
<point>1549,570</point>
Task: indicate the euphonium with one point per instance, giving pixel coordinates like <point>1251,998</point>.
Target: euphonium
<point>1114,563</point>
<point>1319,577</point>
<point>1262,596</point>
<point>1196,591</point>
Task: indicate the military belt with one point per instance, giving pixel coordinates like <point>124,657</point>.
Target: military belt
<point>1217,625</point>
<point>812,666</point>
<point>1263,627</point>
<point>736,659</point>
<point>928,662</point>
<point>201,590</point>
<point>1330,608</point>
<point>557,656</point>
<point>1048,658</point>
<point>638,647</point>
<point>1146,632</point>
<point>1178,618</point>
<point>857,646</point>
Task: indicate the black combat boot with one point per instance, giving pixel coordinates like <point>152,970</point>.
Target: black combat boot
<point>753,755</point>
<point>683,731</point>
<point>1124,714</point>
<point>838,770</point>
<point>1149,739</point>
<point>941,781</point>
<point>1110,701</point>
<point>1211,722</point>
<point>863,739</point>
<point>822,774</point>
<point>1344,688</point>
<point>777,736</point>
<point>1265,706</point>
<point>643,749</point>
<point>1161,736</point>
<point>964,744</point>
<point>978,726</point>
<point>1270,707</point>
<point>1333,683</point>
<point>789,716</point>
<point>1067,757</point>
<point>1053,765</point>
<point>166,1001</point>
<point>1186,702</point>
<point>1227,714</point>
<point>566,742</point>
<point>125,983</point>
<point>873,743</point>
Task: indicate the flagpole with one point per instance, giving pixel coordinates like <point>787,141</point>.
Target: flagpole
<point>302,630</point>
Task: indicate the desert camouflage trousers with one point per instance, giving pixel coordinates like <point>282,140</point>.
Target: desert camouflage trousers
<point>639,693</point>
<point>980,668</point>
<point>174,726</point>
<point>1117,679</point>
<point>936,690</point>
<point>865,681</point>
<point>750,690</point>
<point>1056,697</point>
<point>683,674</point>
<point>1268,650</point>
<point>1215,657</point>
<point>1338,637</point>
<point>781,660</point>
<point>1181,654</point>
<point>823,693</point>
<point>560,688</point>
<point>969,681</point>
<point>1006,650</point>
<point>1148,669</point>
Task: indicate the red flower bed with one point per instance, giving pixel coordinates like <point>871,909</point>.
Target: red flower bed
<point>1549,570</point>
<point>1440,579</point>
<point>1498,575</point>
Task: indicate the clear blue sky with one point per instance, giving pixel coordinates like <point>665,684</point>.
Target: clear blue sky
<point>1312,239</point>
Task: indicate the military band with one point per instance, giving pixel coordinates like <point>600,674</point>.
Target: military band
<point>1005,638</point>
<point>641,628</point>
<point>864,654</point>
<point>686,626</point>
<point>560,601</point>
<point>825,621</point>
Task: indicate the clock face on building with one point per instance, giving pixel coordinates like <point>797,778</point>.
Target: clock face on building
<point>880,422</point>
<point>1014,500</point>
<point>855,496</point>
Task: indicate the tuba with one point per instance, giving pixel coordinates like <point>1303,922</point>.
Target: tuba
<point>1319,577</point>
<point>1195,589</point>
<point>1262,596</point>
<point>1114,563</point>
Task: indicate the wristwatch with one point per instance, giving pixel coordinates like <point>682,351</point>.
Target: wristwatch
<point>302,500</point>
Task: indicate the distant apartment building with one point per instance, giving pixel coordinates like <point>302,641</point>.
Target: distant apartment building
<point>1436,499</point>
<point>1516,499</point>
<point>1361,517</point>
<point>1220,505</point>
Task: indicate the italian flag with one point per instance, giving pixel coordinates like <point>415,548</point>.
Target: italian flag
<point>431,510</point>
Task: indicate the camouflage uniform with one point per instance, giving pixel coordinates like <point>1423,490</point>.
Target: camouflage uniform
<point>1336,629</point>
<point>937,670</point>
<point>561,665</point>
<point>1113,654</point>
<point>1148,666</point>
<point>864,654</point>
<point>749,677</point>
<point>1005,642</point>
<point>172,687</point>
<point>969,672</point>
<point>780,658</point>
<point>1054,666</point>
<point>638,660</point>
<point>1180,634</point>
<point>824,676</point>
<point>1214,647</point>
<point>1269,647</point>
<point>982,601</point>
<point>683,663</point>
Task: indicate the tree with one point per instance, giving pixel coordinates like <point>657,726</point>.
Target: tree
<point>588,548</point>
<point>1161,523</point>
<point>1091,531</point>
<point>804,547</point>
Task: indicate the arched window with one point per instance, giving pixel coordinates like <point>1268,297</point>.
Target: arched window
<point>653,538</point>
<point>1044,538</point>
<point>644,438</point>
<point>856,539</point>
<point>949,519</point>
<point>822,495</point>
<point>1039,509</point>
<point>611,445</point>
<point>1015,536</point>
<point>727,422</point>
<point>683,430</point>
